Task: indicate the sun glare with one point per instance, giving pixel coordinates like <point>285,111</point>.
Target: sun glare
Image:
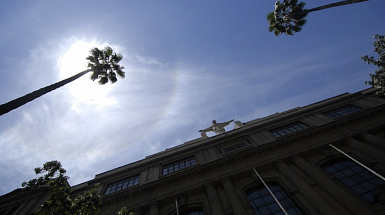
<point>84,91</point>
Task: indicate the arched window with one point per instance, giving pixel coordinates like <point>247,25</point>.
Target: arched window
<point>193,212</point>
<point>264,204</point>
<point>360,180</point>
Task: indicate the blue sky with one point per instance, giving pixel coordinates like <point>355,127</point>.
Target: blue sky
<point>187,63</point>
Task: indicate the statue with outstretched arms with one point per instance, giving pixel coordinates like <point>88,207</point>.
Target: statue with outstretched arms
<point>218,128</point>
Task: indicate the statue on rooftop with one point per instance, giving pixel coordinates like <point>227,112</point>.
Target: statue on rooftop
<point>218,128</point>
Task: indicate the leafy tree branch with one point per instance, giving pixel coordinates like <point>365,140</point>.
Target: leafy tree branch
<point>60,202</point>
<point>378,78</point>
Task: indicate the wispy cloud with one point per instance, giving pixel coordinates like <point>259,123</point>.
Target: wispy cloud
<point>182,71</point>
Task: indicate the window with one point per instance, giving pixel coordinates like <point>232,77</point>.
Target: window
<point>264,204</point>
<point>360,180</point>
<point>129,182</point>
<point>192,211</point>
<point>341,111</point>
<point>178,165</point>
<point>288,129</point>
<point>234,147</point>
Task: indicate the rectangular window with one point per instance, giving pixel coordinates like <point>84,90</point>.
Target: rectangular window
<point>341,111</point>
<point>120,185</point>
<point>178,165</point>
<point>288,129</point>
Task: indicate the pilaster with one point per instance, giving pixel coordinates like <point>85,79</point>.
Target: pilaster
<point>366,149</point>
<point>373,140</point>
<point>235,202</point>
<point>339,194</point>
<point>305,189</point>
<point>214,201</point>
<point>154,208</point>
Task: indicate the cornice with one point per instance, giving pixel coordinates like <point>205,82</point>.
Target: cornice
<point>246,130</point>
<point>252,126</point>
<point>19,195</point>
<point>245,154</point>
<point>273,145</point>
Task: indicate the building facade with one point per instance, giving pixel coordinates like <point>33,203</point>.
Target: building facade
<point>294,153</point>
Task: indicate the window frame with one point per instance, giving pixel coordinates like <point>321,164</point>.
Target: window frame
<point>123,184</point>
<point>188,209</point>
<point>353,180</point>
<point>258,187</point>
<point>289,128</point>
<point>181,164</point>
<point>341,111</point>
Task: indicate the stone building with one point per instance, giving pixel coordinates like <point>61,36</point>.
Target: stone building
<point>295,153</point>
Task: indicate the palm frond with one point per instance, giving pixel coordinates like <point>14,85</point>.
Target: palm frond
<point>104,65</point>
<point>94,76</point>
<point>103,80</point>
<point>108,50</point>
<point>91,58</point>
<point>113,79</point>
<point>121,73</point>
<point>288,17</point>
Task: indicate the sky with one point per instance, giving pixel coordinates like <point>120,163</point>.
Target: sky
<point>187,63</point>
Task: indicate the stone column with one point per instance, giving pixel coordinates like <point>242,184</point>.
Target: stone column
<point>138,211</point>
<point>367,149</point>
<point>235,202</point>
<point>212,195</point>
<point>306,190</point>
<point>339,194</point>
<point>380,143</point>
<point>154,208</point>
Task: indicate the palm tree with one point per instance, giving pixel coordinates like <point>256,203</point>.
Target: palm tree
<point>290,16</point>
<point>104,65</point>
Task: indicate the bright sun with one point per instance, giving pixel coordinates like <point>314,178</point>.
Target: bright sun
<point>84,91</point>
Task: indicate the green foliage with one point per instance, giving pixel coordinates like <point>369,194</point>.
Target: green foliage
<point>378,78</point>
<point>60,201</point>
<point>124,211</point>
<point>288,17</point>
<point>104,65</point>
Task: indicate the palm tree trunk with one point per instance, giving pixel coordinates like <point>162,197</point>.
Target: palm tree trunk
<point>336,4</point>
<point>5,108</point>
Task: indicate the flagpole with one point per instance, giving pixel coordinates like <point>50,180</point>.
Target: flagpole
<point>361,164</point>
<point>271,193</point>
<point>176,205</point>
